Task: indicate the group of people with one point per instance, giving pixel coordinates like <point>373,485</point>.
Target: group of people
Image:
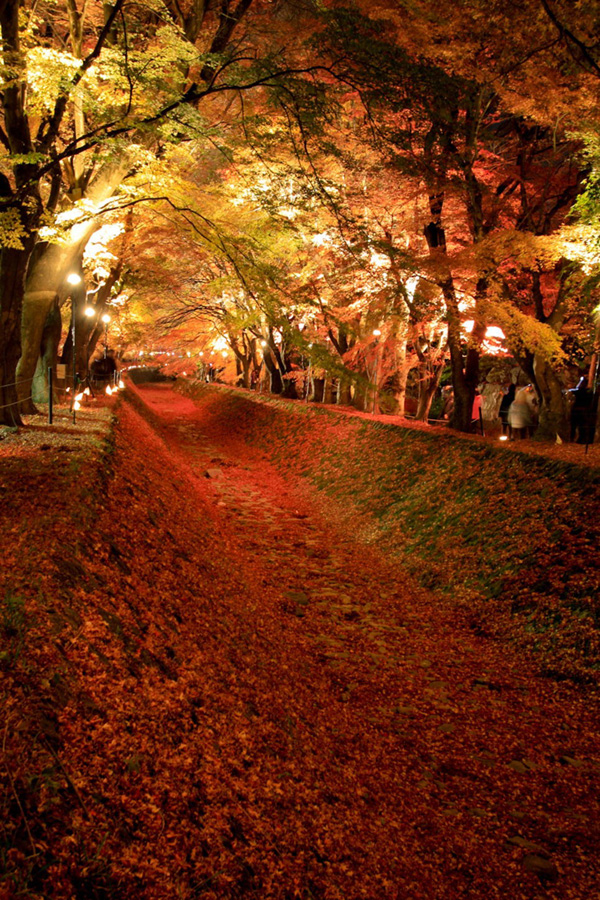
<point>519,412</point>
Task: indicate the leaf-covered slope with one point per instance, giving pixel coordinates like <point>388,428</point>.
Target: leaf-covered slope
<point>512,534</point>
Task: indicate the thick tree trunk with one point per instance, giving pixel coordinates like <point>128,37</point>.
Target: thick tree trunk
<point>49,354</point>
<point>36,308</point>
<point>289,389</point>
<point>50,266</point>
<point>275,380</point>
<point>464,392</point>
<point>318,390</point>
<point>26,204</point>
<point>400,376</point>
<point>344,392</point>
<point>554,417</point>
<point>13,266</point>
<point>428,385</point>
<point>246,362</point>
<point>362,392</point>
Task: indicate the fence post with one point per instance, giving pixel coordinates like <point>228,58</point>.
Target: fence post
<point>50,393</point>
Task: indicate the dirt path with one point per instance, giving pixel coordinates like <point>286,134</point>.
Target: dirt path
<point>413,758</point>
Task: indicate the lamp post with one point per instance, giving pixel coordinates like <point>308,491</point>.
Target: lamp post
<point>74,279</point>
<point>105,320</point>
<point>376,335</point>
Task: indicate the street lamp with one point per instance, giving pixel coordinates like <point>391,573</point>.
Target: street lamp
<point>74,279</point>
<point>106,320</point>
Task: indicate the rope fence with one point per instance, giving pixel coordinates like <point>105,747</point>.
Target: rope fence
<point>70,384</point>
<point>15,383</point>
<point>16,402</point>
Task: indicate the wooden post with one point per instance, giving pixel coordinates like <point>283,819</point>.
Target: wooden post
<point>50,393</point>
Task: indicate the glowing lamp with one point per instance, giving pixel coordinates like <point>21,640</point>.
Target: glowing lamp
<point>108,390</point>
<point>87,392</point>
<point>376,332</point>
<point>121,384</point>
<point>74,278</point>
<point>78,397</point>
<point>77,405</point>
<point>90,311</point>
<point>106,319</point>
<point>503,437</point>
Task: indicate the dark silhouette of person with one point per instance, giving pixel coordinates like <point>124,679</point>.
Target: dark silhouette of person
<point>583,414</point>
<point>507,399</point>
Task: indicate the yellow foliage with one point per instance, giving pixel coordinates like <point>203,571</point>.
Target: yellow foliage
<point>523,332</point>
<point>11,230</point>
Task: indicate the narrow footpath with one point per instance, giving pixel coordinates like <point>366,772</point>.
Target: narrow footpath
<point>407,756</point>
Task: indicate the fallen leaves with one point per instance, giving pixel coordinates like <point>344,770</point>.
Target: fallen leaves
<point>224,746</point>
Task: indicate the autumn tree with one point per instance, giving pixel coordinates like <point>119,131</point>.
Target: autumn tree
<point>77,123</point>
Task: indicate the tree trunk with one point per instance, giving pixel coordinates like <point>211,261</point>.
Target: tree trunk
<point>36,309</point>
<point>464,393</point>
<point>52,263</point>
<point>401,379</point>
<point>13,266</point>
<point>399,376</point>
<point>344,392</point>
<point>362,392</point>
<point>318,390</point>
<point>554,418</point>
<point>275,381</point>
<point>289,389</point>
<point>246,362</point>
<point>49,354</point>
<point>428,385</point>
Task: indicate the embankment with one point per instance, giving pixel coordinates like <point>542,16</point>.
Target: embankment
<point>513,535</point>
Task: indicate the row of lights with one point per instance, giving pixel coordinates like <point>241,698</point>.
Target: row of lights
<point>86,393</point>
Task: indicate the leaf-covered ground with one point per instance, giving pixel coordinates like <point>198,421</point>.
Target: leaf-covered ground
<point>212,687</point>
<point>509,531</point>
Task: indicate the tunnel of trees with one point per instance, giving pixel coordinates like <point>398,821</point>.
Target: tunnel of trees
<point>343,202</point>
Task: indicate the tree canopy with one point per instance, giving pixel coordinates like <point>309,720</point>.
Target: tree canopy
<point>343,199</point>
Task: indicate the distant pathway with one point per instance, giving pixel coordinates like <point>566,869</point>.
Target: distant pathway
<point>453,770</point>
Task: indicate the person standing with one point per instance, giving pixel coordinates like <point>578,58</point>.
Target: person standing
<point>507,399</point>
<point>582,414</point>
<point>476,419</point>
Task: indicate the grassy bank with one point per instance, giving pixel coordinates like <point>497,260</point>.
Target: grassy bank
<point>512,535</point>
